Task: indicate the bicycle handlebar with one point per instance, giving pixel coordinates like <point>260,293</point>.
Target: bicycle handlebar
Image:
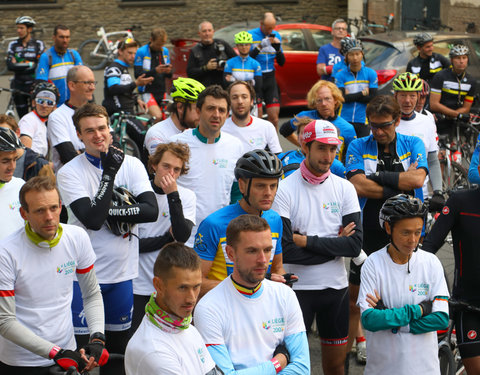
<point>57,370</point>
<point>462,305</point>
<point>14,91</point>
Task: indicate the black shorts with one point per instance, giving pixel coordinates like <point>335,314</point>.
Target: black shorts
<point>270,90</point>
<point>467,325</point>
<point>18,370</point>
<point>373,240</point>
<point>331,308</point>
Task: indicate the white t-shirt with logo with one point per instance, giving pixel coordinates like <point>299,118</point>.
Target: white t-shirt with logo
<point>142,285</point>
<point>402,352</point>
<point>211,172</point>
<point>317,210</point>
<point>33,126</point>
<point>60,129</point>
<point>160,133</point>
<point>117,257</point>
<point>250,328</point>
<point>42,280</point>
<point>259,134</point>
<point>153,351</point>
<point>10,219</point>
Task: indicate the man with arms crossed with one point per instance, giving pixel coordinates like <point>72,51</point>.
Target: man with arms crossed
<point>252,325</point>
<point>38,264</point>
<point>166,342</point>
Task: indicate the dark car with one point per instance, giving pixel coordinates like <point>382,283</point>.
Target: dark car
<point>389,53</point>
<point>300,43</point>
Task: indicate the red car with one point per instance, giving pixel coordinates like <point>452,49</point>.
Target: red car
<point>300,43</point>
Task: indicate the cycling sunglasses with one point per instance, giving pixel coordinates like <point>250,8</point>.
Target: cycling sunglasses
<point>46,102</point>
<point>376,125</point>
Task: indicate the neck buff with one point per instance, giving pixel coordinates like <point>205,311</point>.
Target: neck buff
<point>163,320</point>
<point>310,177</point>
<point>40,241</point>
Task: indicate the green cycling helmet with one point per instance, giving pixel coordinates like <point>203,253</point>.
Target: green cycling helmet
<point>186,89</point>
<point>407,82</point>
<point>243,37</point>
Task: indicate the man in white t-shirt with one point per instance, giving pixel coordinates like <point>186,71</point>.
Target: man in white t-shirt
<point>403,295</point>
<point>321,225</point>
<point>107,193</point>
<point>176,206</point>
<point>253,132</point>
<point>10,218</point>
<point>213,155</point>
<point>38,264</point>
<point>61,132</point>
<point>250,323</point>
<point>407,88</point>
<point>183,113</point>
<point>166,342</point>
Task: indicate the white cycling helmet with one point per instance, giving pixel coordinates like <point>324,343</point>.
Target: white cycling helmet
<point>25,20</point>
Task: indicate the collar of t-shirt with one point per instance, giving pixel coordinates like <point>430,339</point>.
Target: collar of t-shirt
<point>40,241</point>
<point>246,291</point>
<point>249,123</point>
<point>157,189</point>
<point>96,162</point>
<point>67,103</point>
<point>43,119</point>
<point>409,117</point>
<point>123,63</point>
<point>203,139</point>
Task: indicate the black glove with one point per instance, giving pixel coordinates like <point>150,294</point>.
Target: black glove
<point>463,117</point>
<point>426,307</point>
<point>380,305</point>
<point>282,349</point>
<point>276,46</point>
<point>97,350</point>
<point>288,279</point>
<point>67,358</point>
<point>437,202</point>
<point>112,161</point>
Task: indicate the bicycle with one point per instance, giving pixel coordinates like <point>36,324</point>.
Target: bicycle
<point>363,27</point>
<point>10,110</point>
<point>97,53</point>
<point>113,359</point>
<point>119,126</point>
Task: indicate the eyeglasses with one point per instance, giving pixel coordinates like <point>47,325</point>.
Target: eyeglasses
<point>340,28</point>
<point>380,125</point>
<point>45,102</point>
<point>326,100</point>
<point>87,82</point>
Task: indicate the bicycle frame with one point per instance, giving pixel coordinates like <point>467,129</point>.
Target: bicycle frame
<point>111,47</point>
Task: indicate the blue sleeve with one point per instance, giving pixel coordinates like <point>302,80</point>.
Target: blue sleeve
<point>139,57</point>
<point>166,55</point>
<point>78,58</point>
<point>278,247</point>
<point>473,175</point>
<point>378,320</point>
<point>321,58</point>
<point>432,322</point>
<point>258,69</point>
<point>338,168</point>
<point>205,240</point>
<point>42,67</point>
<point>297,346</point>
<point>221,357</point>
<point>373,78</point>
<point>354,157</point>
<point>419,154</point>
<point>112,81</point>
<point>228,66</point>
<point>339,79</point>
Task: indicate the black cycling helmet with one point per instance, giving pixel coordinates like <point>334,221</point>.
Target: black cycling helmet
<point>25,20</point>
<point>425,88</point>
<point>459,50</point>
<point>260,164</point>
<point>422,38</point>
<point>120,197</point>
<point>9,141</point>
<point>401,206</point>
<point>45,86</point>
<point>349,44</point>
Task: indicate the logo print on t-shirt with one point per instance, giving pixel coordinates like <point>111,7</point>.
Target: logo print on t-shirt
<point>277,325</point>
<point>221,163</point>
<point>421,289</point>
<point>445,210</point>
<point>472,335</point>
<point>66,268</point>
<point>14,206</point>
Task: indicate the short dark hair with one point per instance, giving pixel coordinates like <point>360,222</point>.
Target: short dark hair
<point>175,254</point>
<point>10,121</point>
<point>217,92</point>
<point>180,150</point>
<point>244,223</point>
<point>60,27</point>
<point>248,85</point>
<point>383,105</point>
<point>88,110</point>
<point>38,183</point>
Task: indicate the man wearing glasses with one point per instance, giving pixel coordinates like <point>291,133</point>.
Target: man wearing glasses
<point>61,132</point>
<point>381,166</point>
<point>329,54</point>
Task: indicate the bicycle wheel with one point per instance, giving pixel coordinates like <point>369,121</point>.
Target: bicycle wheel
<point>446,359</point>
<point>456,179</point>
<point>93,62</point>
<point>130,148</point>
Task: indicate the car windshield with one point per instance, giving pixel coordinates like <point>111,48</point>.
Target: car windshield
<point>379,54</point>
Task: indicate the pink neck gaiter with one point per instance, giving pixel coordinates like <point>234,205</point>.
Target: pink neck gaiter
<point>310,177</point>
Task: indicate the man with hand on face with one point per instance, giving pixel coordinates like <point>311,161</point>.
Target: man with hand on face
<point>38,265</point>
<point>166,342</point>
<point>252,325</point>
<point>208,57</point>
<point>107,193</point>
<point>55,62</point>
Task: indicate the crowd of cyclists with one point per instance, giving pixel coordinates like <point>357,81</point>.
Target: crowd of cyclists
<point>103,252</point>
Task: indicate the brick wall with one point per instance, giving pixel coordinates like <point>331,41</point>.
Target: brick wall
<point>84,16</point>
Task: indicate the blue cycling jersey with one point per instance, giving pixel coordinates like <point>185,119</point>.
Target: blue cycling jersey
<point>365,78</point>
<point>143,59</point>
<point>267,54</point>
<point>329,55</point>
<point>473,175</point>
<point>243,69</point>
<point>54,67</point>
<point>291,162</point>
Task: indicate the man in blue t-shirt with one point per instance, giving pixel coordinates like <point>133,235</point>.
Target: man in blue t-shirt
<point>329,54</point>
